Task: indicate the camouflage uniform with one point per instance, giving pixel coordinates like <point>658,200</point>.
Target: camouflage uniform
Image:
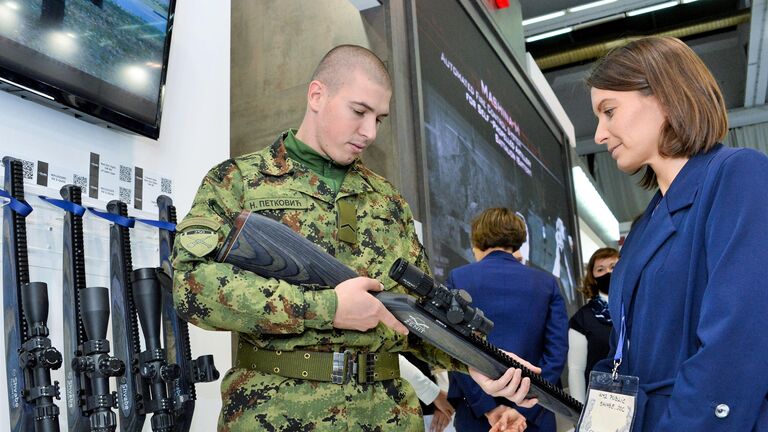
<point>275,315</point>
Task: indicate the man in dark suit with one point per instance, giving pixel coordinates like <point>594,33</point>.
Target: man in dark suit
<point>528,312</point>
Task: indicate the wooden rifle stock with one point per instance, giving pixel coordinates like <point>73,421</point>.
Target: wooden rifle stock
<point>271,249</point>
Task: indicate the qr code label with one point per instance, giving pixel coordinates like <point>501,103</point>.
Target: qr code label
<point>80,181</point>
<point>126,173</point>
<point>28,169</point>
<point>165,186</point>
<point>125,195</point>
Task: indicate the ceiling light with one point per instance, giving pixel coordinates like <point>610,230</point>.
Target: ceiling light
<point>590,5</point>
<point>652,8</point>
<point>541,36</point>
<point>546,17</point>
<point>592,207</point>
<point>599,21</point>
<point>687,1</point>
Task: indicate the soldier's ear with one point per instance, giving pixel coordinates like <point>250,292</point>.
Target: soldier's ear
<point>316,94</point>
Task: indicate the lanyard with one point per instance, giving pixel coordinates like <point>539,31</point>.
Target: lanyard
<point>620,348</point>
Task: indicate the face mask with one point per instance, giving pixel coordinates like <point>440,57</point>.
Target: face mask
<point>603,283</point>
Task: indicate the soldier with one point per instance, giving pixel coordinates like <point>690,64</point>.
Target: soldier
<point>310,179</point>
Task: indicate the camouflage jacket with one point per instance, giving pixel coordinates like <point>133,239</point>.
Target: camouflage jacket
<point>274,314</point>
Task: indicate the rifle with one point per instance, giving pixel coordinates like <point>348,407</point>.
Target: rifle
<point>443,317</point>
<point>86,348</point>
<point>29,354</point>
<point>144,388</point>
<point>176,332</point>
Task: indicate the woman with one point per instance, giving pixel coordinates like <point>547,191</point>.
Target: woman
<point>529,315</point>
<point>590,326</point>
<point>692,276</point>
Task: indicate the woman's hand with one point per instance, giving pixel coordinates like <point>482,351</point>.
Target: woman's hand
<point>511,385</point>
<point>510,420</point>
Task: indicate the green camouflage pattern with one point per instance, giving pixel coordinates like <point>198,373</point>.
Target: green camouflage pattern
<point>276,315</point>
<point>255,401</point>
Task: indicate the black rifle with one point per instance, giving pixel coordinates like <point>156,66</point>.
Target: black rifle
<point>176,332</point>
<point>440,316</point>
<point>86,348</point>
<point>29,354</point>
<point>144,388</point>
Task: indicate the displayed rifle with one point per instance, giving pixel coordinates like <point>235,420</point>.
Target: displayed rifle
<point>443,317</point>
<point>176,332</point>
<point>144,388</point>
<point>86,348</point>
<point>28,351</point>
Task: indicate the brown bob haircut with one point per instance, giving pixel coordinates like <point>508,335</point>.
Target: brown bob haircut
<point>498,227</point>
<point>665,67</point>
<point>589,284</point>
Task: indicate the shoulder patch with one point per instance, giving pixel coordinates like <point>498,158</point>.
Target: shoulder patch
<point>198,235</point>
<point>198,221</point>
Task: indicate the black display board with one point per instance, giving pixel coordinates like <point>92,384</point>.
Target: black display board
<point>487,144</point>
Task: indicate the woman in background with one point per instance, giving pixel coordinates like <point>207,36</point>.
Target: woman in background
<point>590,327</point>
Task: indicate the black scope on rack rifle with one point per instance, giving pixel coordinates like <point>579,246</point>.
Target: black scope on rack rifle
<point>454,306</point>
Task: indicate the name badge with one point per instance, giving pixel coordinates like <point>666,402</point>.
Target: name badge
<point>611,403</point>
<point>272,203</point>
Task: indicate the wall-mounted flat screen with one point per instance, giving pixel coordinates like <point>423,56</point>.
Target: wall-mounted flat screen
<point>101,60</point>
<point>487,145</point>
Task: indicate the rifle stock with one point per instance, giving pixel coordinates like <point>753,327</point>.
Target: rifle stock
<point>86,348</point>
<point>131,392</point>
<point>28,351</point>
<point>176,333</point>
<point>74,333</point>
<point>271,249</point>
<point>136,297</point>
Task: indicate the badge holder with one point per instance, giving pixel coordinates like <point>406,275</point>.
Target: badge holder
<point>611,403</point>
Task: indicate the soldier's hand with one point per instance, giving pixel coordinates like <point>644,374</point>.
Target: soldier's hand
<point>358,310</point>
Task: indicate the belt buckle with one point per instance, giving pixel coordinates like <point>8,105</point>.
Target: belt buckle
<point>370,365</point>
<point>344,367</point>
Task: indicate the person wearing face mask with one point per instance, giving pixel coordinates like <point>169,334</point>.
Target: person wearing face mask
<point>590,327</point>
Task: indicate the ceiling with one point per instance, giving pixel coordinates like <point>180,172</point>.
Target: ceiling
<point>729,35</point>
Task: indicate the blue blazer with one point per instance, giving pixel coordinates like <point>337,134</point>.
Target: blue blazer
<point>529,319</point>
<point>693,280</point>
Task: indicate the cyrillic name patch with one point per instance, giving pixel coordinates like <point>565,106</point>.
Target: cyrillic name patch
<point>270,203</point>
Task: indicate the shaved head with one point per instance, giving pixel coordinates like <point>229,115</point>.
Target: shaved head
<point>337,66</point>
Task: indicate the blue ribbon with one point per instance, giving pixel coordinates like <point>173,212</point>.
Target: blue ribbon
<point>123,221</point>
<point>67,206</point>
<point>17,206</point>
<point>163,225</point>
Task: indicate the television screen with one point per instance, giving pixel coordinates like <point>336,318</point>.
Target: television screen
<point>486,145</point>
<point>104,60</point>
